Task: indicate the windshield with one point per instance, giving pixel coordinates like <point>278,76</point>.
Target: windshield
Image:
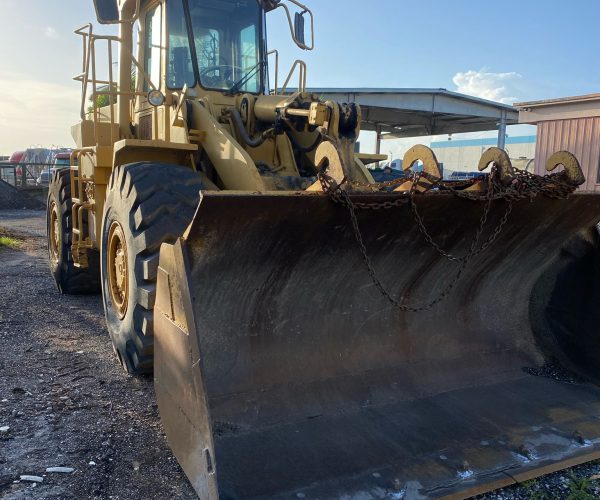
<point>226,51</point>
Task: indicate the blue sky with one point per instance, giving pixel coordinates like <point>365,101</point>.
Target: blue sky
<point>502,50</point>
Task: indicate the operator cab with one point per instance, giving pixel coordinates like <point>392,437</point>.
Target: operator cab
<point>216,44</point>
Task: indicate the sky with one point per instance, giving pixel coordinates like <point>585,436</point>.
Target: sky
<point>505,51</point>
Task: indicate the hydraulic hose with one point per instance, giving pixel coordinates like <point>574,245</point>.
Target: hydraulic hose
<point>253,142</point>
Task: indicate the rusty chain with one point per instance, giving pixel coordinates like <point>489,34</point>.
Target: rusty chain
<point>524,185</point>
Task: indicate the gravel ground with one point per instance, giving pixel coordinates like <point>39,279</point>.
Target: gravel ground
<point>67,403</point>
<point>13,198</point>
<point>578,483</point>
<point>63,396</point>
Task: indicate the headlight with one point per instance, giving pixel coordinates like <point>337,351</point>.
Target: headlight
<point>156,98</point>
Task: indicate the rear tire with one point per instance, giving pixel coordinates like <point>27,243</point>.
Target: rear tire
<point>147,205</point>
<point>69,279</point>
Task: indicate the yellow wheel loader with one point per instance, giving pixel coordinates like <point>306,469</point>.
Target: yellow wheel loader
<point>312,333</point>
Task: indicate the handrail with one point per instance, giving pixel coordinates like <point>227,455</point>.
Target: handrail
<point>302,76</point>
<point>86,62</point>
<point>276,52</point>
<point>89,77</point>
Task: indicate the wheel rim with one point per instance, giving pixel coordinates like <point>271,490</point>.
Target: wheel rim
<point>54,231</point>
<point>118,272</point>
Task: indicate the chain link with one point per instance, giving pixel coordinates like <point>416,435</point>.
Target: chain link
<point>524,185</point>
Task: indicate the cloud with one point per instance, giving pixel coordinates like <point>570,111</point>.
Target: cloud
<point>36,112</point>
<point>487,85</point>
<point>50,32</point>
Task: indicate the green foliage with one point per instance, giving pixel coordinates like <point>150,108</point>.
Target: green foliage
<point>538,495</point>
<point>531,488</point>
<point>7,241</point>
<point>103,99</point>
<point>579,489</point>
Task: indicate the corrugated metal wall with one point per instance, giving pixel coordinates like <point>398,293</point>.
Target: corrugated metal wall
<point>580,136</point>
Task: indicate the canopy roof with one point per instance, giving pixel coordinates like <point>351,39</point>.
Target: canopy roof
<point>397,113</point>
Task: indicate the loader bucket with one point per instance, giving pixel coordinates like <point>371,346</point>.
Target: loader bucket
<point>282,372</point>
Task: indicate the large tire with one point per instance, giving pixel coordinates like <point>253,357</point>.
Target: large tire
<point>147,204</point>
<point>69,279</point>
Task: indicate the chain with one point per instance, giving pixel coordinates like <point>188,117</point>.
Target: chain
<point>524,185</point>
<point>336,193</point>
<point>377,282</point>
<point>492,188</point>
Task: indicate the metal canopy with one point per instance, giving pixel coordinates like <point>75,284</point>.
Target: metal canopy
<point>399,113</point>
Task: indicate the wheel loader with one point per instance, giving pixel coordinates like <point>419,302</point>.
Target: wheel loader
<point>312,333</point>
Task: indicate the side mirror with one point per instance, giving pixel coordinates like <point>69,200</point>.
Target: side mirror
<point>107,11</point>
<point>299,28</point>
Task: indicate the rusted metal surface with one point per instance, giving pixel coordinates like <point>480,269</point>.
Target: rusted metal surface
<point>281,372</point>
<point>500,158</point>
<point>430,167</point>
<point>569,162</point>
<point>580,136</point>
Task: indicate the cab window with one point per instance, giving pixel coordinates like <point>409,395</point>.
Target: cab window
<point>180,70</point>
<point>152,46</point>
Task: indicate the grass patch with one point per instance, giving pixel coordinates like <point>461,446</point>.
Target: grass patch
<point>580,489</point>
<point>533,491</point>
<point>8,242</point>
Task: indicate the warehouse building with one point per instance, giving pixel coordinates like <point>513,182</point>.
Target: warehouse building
<point>463,155</point>
<point>568,123</point>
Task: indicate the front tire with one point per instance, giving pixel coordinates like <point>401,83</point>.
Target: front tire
<point>59,230</point>
<point>147,205</point>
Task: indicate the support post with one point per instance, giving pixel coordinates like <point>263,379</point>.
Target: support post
<point>502,131</point>
<point>128,9</point>
<point>378,140</point>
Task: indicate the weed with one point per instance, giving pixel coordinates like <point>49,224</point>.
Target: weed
<point>579,489</point>
<point>532,491</point>
<point>7,241</point>
<point>538,495</point>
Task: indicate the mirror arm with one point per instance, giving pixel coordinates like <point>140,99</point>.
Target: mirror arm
<point>135,16</point>
<point>305,10</point>
<point>291,24</point>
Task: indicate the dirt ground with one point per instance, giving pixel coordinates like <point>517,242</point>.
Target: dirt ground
<point>13,198</point>
<point>63,396</point>
<point>67,402</point>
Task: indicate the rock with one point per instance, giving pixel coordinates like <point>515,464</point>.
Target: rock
<point>33,479</point>
<point>62,470</point>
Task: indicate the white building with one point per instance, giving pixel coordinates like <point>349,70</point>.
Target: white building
<point>463,155</point>
<point>571,123</point>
